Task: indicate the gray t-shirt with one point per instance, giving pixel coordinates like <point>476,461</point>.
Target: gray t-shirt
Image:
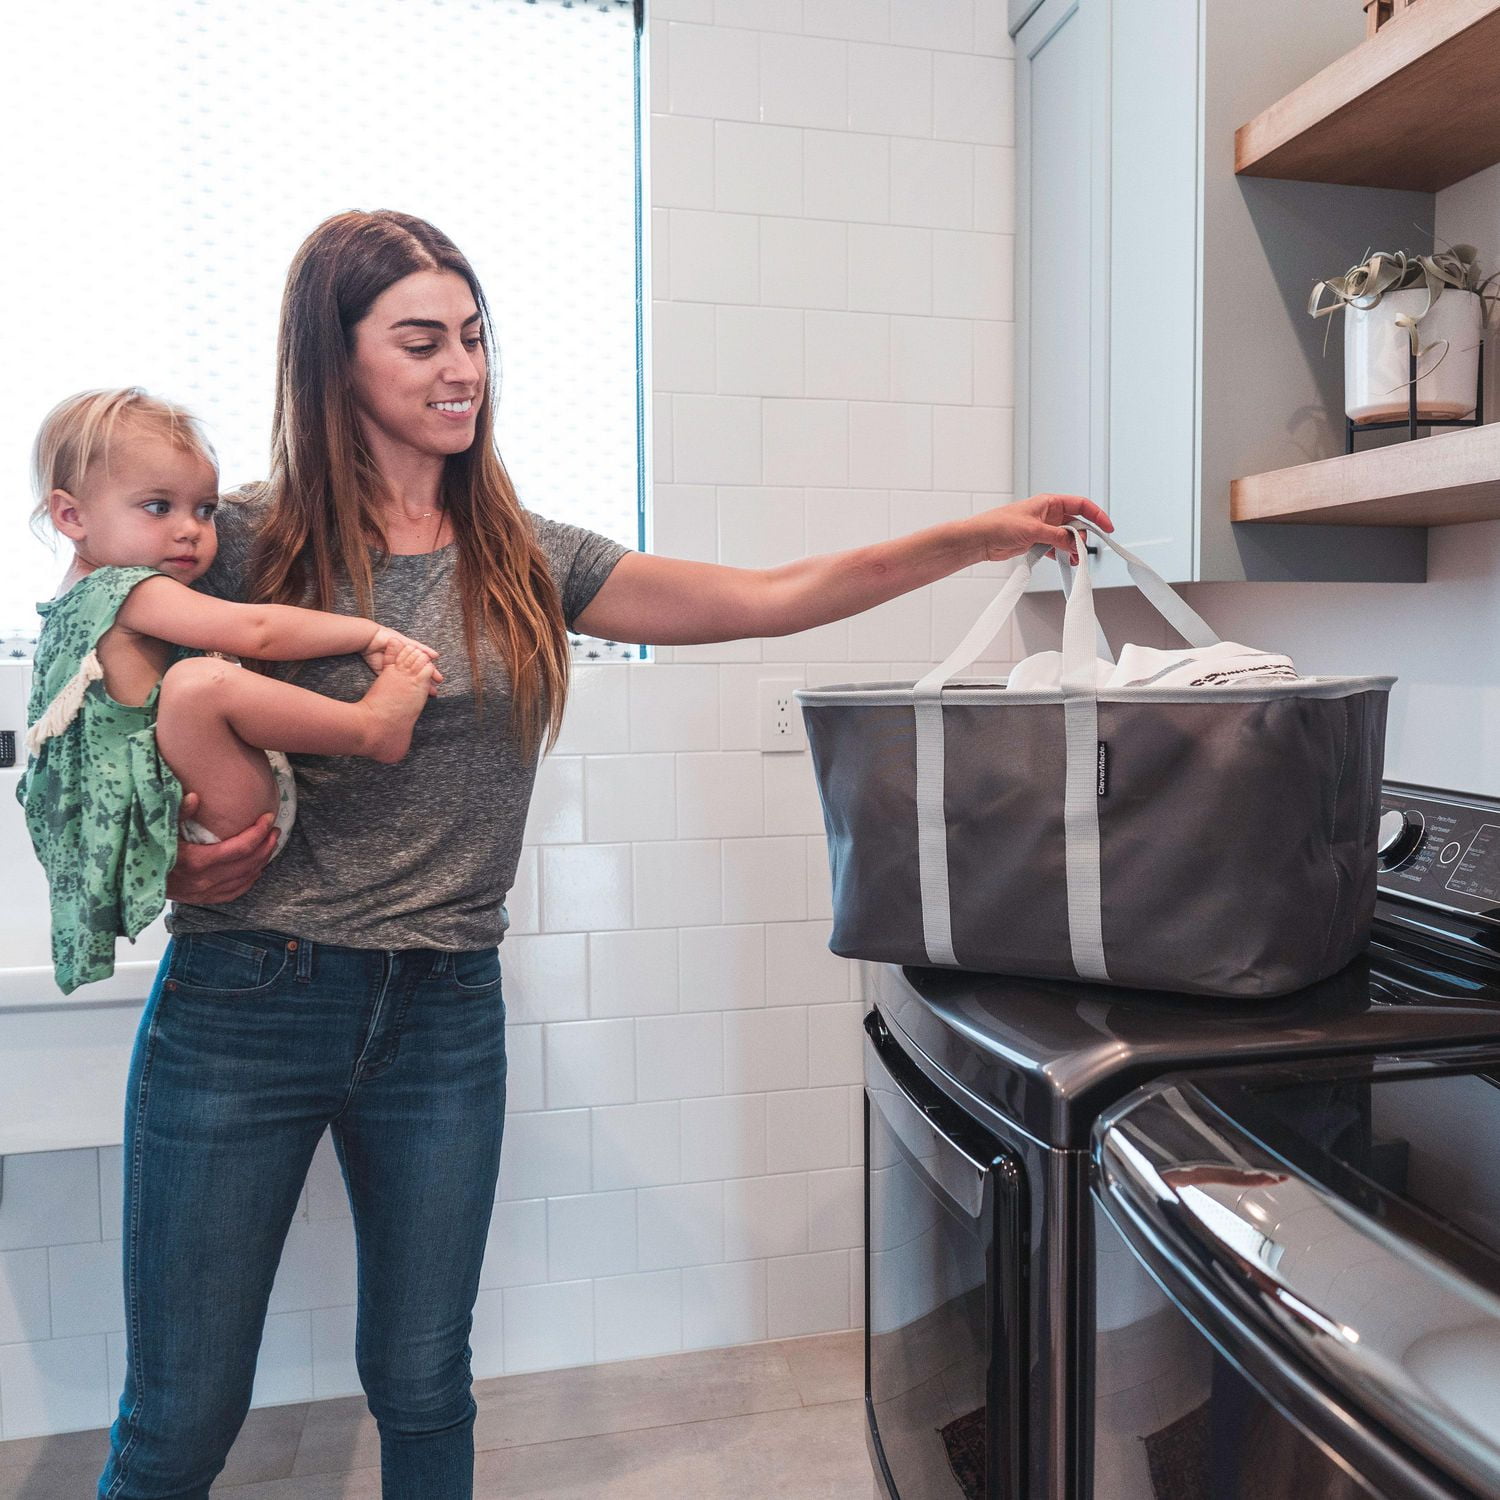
<point>420,854</point>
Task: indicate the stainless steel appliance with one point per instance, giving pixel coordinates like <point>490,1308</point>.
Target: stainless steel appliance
<point>1131,1246</point>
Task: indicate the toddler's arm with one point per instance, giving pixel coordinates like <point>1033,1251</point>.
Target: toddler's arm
<point>171,611</point>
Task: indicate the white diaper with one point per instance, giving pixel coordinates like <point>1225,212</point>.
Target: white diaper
<point>286,807</point>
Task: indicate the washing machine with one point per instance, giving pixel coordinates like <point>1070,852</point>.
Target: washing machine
<point>1124,1245</point>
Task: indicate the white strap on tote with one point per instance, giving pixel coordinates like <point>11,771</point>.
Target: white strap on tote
<point>1081,723</point>
<point>927,700</point>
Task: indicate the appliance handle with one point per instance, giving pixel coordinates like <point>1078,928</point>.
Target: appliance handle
<point>972,1174</point>
<point>922,1121</point>
<point>1261,1256</point>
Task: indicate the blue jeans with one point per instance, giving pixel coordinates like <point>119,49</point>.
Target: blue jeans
<point>251,1045</point>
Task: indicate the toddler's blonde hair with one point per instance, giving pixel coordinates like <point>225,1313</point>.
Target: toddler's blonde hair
<point>77,433</point>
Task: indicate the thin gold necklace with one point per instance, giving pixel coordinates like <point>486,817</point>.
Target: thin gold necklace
<point>437,530</point>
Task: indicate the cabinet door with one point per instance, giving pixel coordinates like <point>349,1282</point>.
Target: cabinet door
<point>1153,267</point>
<point>1017,12</point>
<point>1062,256</point>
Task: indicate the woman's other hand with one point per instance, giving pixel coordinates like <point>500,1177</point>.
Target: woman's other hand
<point>386,645</point>
<point>1009,530</point>
<point>207,874</point>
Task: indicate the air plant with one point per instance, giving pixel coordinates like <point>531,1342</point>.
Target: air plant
<point>1383,271</point>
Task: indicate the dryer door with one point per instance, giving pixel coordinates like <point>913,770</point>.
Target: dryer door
<point>1332,1239</point>
<point>943,1267</point>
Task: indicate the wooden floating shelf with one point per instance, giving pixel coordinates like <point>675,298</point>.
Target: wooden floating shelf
<point>1416,106</point>
<point>1444,480</point>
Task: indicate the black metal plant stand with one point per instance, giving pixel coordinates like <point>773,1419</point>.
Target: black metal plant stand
<point>1410,421</point>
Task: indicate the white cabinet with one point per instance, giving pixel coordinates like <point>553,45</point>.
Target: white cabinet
<point>1162,343</point>
<point>1062,252</point>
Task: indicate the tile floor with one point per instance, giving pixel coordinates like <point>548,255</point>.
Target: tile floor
<point>779,1419</point>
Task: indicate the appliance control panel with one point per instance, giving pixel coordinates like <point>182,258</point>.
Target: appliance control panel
<point>1440,848</point>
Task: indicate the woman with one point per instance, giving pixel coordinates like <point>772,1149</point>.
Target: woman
<point>356,982</point>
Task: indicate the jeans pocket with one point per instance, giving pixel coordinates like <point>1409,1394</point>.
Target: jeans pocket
<point>477,970</point>
<point>224,963</point>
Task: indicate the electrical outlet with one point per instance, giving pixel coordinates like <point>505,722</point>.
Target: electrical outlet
<point>780,715</point>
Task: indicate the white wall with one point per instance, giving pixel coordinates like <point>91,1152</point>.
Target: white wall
<point>831,189</point>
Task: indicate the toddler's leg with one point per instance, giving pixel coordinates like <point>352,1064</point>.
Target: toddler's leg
<point>216,720</point>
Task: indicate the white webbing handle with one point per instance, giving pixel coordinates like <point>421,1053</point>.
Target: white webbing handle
<point>1170,605</point>
<point>1081,723</point>
<point>1080,785</point>
<point>927,702</point>
<point>984,629</point>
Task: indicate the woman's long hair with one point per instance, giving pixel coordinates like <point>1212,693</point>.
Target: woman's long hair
<point>327,490</point>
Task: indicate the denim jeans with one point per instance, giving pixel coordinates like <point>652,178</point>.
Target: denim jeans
<point>251,1045</point>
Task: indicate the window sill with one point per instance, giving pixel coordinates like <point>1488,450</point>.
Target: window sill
<point>587,650</point>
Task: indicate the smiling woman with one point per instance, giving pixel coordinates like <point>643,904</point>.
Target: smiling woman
<point>408,369</point>
<point>355,984</point>
<point>407,476</point>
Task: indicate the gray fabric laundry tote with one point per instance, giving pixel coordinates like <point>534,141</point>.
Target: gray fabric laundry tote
<point>1212,840</point>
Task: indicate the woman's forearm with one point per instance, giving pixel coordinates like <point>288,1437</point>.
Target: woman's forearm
<point>816,590</point>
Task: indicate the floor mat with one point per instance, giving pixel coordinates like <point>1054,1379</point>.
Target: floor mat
<point>1177,1456</point>
<point>963,1438</point>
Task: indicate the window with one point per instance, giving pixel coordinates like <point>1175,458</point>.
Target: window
<point>177,152</point>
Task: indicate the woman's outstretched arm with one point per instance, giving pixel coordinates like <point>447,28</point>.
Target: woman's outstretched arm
<point>666,601</point>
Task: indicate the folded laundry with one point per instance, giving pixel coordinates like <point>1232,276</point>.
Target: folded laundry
<point>1218,665</point>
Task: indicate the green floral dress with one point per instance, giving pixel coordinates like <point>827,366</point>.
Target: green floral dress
<point>101,805</point>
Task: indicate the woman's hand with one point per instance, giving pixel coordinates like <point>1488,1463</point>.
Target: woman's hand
<point>207,874</point>
<point>386,645</point>
<point>1009,530</point>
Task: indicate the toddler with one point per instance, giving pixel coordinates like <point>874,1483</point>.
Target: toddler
<point>126,709</point>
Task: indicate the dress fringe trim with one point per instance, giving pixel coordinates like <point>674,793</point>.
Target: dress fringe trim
<point>64,708</point>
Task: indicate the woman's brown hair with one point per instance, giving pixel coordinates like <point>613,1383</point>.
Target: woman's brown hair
<point>327,489</point>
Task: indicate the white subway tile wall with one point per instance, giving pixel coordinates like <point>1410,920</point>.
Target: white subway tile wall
<point>637,1315</point>
<point>723,1304</point>
<point>832,191</point>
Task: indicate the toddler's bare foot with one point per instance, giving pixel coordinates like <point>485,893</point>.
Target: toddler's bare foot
<point>395,700</point>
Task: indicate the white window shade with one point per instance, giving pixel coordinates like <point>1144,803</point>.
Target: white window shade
<point>177,153</point>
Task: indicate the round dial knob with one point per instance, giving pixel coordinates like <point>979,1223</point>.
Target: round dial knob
<point>1400,837</point>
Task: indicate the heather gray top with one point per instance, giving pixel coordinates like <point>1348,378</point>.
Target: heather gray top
<point>419,854</point>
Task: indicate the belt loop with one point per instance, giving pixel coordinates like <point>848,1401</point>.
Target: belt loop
<point>442,962</point>
<point>304,959</point>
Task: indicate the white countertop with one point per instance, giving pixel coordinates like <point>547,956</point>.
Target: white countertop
<point>64,1061</point>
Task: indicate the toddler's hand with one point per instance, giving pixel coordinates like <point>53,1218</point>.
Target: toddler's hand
<point>386,645</point>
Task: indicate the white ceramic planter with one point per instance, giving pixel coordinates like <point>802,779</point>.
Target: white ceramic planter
<point>1376,350</point>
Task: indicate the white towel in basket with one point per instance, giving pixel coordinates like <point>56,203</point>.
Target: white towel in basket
<point>1218,665</point>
